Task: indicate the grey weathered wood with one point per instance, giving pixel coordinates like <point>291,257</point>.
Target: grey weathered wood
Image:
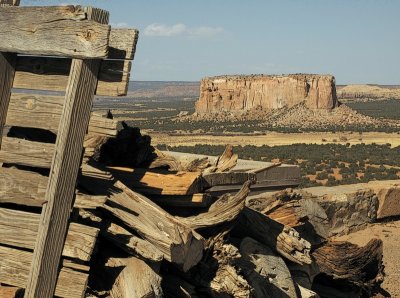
<point>54,31</point>
<point>60,191</point>
<point>19,229</point>
<point>9,2</point>
<point>283,239</point>
<point>14,271</point>
<point>27,153</point>
<point>44,111</point>
<point>224,211</point>
<point>130,243</point>
<point>266,271</point>
<point>50,73</point>
<point>214,179</point>
<point>7,71</point>
<point>122,43</point>
<point>178,243</point>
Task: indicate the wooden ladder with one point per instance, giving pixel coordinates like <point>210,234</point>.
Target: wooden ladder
<point>57,49</point>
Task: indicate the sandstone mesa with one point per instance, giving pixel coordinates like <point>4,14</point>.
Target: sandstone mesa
<point>243,93</point>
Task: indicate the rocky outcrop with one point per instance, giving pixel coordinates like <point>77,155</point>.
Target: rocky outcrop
<point>243,93</point>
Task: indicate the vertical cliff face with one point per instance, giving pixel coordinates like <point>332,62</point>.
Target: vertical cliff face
<point>241,93</point>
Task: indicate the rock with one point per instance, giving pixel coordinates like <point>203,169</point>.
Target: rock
<point>239,93</point>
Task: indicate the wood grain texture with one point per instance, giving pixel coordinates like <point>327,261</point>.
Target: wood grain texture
<point>130,243</point>
<point>14,271</point>
<point>178,243</point>
<point>60,190</point>
<point>54,31</point>
<point>122,43</point>
<point>45,73</point>
<point>27,153</point>
<point>44,112</point>
<point>19,229</point>
<point>7,71</point>
<point>11,292</point>
<point>159,182</point>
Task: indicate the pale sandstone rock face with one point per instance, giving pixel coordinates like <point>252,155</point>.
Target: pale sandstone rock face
<point>241,93</point>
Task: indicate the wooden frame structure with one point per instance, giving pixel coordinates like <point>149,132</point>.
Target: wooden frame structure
<point>71,50</point>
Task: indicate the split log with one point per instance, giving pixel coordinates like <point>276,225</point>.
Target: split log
<point>129,242</point>
<point>266,272</point>
<point>285,240</point>
<point>177,242</point>
<point>349,263</point>
<point>223,212</point>
<point>137,279</point>
<point>158,182</point>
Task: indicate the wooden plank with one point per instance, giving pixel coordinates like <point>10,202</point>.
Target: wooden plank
<point>52,30</point>
<point>22,187</point>
<point>7,71</point>
<point>27,153</point>
<point>49,73</point>
<point>44,112</point>
<point>196,200</point>
<point>214,179</point>
<point>159,182</point>
<point>122,43</point>
<point>14,270</point>
<point>35,110</point>
<point>60,191</point>
<point>19,229</point>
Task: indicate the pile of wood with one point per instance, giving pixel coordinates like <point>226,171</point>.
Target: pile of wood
<point>161,234</point>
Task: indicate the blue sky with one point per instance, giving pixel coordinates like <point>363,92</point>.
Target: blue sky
<point>358,41</point>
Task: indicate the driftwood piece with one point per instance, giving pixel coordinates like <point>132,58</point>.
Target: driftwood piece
<point>223,212</point>
<point>349,263</point>
<point>266,272</point>
<point>53,31</point>
<point>136,279</point>
<point>285,240</point>
<point>225,162</point>
<point>129,242</point>
<point>177,242</point>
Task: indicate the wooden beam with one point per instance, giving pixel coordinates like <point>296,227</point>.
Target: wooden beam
<point>19,229</point>
<point>50,73</point>
<point>60,191</point>
<point>27,153</point>
<point>214,179</point>
<point>14,271</point>
<point>53,31</point>
<point>122,43</point>
<point>7,71</point>
<point>178,243</point>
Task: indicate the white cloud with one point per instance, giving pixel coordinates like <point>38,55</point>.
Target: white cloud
<point>181,30</point>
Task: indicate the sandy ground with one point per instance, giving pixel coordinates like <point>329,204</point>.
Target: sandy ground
<point>276,139</point>
<point>389,233</point>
